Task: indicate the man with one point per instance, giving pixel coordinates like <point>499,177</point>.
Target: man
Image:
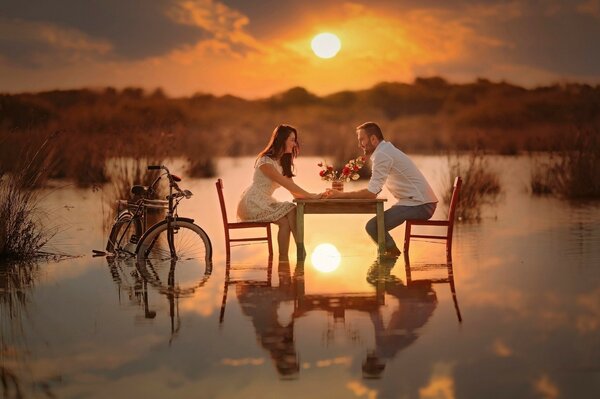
<point>415,198</point>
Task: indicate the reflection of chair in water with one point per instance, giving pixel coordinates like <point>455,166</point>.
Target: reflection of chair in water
<point>416,303</point>
<point>227,226</point>
<point>446,280</point>
<point>260,301</point>
<point>449,224</point>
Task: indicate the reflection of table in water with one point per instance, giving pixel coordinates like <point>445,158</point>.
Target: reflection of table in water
<point>261,302</point>
<point>338,206</point>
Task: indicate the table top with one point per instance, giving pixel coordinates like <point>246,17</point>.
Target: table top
<point>340,200</point>
<point>339,205</point>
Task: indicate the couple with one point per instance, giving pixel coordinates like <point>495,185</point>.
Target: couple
<point>274,168</point>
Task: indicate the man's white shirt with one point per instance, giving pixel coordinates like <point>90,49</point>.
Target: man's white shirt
<point>402,178</point>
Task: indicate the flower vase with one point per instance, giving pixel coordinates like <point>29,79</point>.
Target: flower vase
<point>337,185</point>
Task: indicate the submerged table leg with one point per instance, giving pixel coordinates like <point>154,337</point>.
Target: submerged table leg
<point>301,252</point>
<point>380,229</point>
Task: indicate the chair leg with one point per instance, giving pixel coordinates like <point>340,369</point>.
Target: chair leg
<point>269,241</point>
<point>227,246</point>
<point>449,248</point>
<point>407,237</point>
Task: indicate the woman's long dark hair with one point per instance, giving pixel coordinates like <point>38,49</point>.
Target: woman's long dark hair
<point>276,147</point>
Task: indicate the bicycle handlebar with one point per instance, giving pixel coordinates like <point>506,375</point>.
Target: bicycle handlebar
<point>154,167</point>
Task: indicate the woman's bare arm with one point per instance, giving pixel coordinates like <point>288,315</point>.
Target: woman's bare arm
<point>286,182</point>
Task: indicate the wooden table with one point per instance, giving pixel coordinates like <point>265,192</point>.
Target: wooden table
<point>336,206</point>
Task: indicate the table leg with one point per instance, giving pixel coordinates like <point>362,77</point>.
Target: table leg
<point>301,252</point>
<point>380,229</point>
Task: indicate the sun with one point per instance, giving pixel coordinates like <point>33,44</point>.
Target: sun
<point>325,258</point>
<point>326,45</point>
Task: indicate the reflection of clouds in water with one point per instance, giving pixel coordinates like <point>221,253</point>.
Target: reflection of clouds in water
<point>509,299</point>
<point>92,356</point>
<point>501,349</point>
<point>441,383</point>
<point>590,305</point>
<point>361,390</point>
<point>205,300</point>
<point>341,360</point>
<point>546,388</point>
<point>545,311</point>
<point>247,361</point>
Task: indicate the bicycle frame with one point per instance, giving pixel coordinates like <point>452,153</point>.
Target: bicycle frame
<point>140,211</point>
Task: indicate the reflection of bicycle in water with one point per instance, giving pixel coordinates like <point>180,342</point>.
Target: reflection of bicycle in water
<point>167,278</point>
<point>174,238</point>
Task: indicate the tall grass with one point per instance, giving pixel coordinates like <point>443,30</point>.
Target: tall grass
<point>481,184</point>
<point>22,235</point>
<point>573,171</point>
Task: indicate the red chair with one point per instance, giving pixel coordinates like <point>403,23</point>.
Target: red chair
<point>447,223</point>
<point>241,225</point>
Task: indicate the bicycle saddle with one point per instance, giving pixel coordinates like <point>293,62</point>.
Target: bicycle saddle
<point>139,190</point>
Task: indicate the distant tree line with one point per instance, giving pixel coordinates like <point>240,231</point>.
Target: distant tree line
<point>430,115</point>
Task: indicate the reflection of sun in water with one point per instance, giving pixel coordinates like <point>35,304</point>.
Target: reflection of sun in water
<point>325,258</point>
<point>326,45</point>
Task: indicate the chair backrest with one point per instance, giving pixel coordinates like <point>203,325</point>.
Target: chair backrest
<point>454,199</point>
<point>219,185</point>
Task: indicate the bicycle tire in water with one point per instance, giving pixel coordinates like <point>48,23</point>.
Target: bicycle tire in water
<point>190,241</point>
<point>117,229</point>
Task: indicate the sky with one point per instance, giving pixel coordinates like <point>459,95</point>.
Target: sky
<point>253,48</point>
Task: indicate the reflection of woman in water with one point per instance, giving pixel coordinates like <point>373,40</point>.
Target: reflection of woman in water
<point>260,302</point>
<point>416,304</point>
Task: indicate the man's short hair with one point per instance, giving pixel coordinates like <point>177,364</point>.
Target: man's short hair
<point>371,129</point>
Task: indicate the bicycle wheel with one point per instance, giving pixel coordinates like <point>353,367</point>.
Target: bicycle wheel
<point>181,274</point>
<point>122,231</point>
<point>190,243</point>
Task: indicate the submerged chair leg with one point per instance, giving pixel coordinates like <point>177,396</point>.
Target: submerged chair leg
<point>269,242</point>
<point>407,237</point>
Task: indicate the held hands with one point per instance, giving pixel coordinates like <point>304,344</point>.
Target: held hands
<point>331,193</point>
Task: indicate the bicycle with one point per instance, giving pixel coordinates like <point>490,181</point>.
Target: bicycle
<point>174,238</point>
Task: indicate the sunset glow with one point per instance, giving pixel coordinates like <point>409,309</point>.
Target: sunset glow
<point>326,45</point>
<point>241,49</point>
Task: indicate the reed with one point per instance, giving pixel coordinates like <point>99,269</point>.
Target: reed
<point>22,235</point>
<point>573,172</point>
<point>481,184</point>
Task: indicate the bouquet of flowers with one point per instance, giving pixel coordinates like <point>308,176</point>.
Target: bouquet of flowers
<point>348,172</point>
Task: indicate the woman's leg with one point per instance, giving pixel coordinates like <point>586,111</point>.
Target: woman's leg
<point>283,237</point>
<point>291,216</point>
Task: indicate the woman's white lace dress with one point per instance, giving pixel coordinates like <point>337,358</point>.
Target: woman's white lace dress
<point>257,203</point>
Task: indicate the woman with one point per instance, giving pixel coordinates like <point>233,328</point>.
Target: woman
<point>273,169</point>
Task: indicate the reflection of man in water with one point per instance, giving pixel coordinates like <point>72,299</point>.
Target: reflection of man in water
<point>260,302</point>
<point>416,304</point>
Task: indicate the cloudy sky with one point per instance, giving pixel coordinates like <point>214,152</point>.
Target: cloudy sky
<point>254,48</point>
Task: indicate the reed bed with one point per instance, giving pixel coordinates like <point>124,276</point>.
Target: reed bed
<point>481,184</point>
<point>22,234</point>
<point>573,172</point>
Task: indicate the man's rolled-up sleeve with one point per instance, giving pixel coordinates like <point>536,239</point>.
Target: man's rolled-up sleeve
<point>382,165</point>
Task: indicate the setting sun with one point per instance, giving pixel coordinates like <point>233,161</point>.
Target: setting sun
<point>326,45</point>
<point>325,258</point>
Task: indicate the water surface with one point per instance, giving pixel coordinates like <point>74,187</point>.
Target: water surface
<point>517,314</point>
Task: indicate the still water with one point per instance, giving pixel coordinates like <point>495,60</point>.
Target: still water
<point>517,314</point>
